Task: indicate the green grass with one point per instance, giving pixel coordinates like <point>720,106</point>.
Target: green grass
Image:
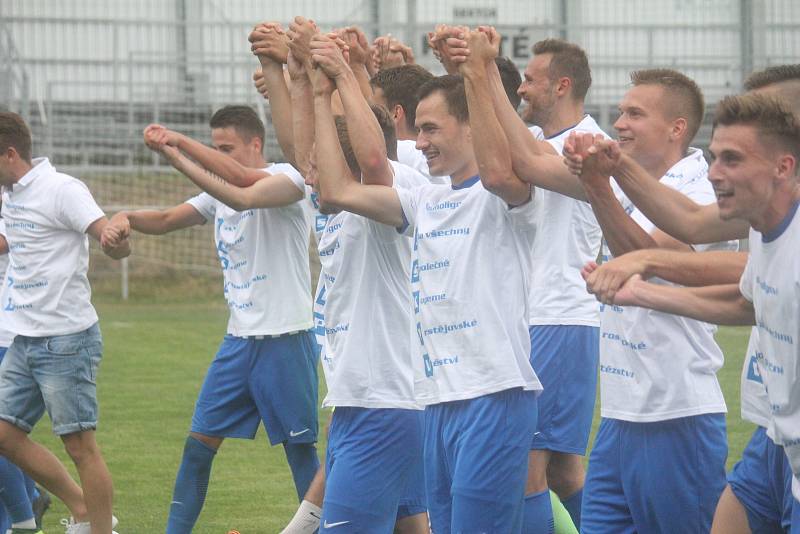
<point>155,359</point>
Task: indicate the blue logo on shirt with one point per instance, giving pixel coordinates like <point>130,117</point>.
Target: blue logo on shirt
<point>428,365</point>
<point>753,372</point>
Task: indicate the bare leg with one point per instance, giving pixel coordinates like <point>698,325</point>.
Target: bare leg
<point>413,524</point>
<point>98,490</point>
<point>730,516</point>
<point>42,466</point>
<point>565,474</point>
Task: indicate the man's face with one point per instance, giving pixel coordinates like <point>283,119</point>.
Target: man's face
<point>643,127</point>
<point>227,141</point>
<point>743,172</point>
<point>538,91</point>
<point>8,159</point>
<point>444,140</point>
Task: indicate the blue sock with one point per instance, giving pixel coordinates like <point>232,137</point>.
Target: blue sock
<point>538,518</point>
<point>304,462</point>
<point>13,493</point>
<point>573,506</point>
<point>191,486</point>
<point>30,487</point>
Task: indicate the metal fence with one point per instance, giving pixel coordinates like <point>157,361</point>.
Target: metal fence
<point>88,75</point>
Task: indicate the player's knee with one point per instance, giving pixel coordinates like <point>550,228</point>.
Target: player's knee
<point>81,447</point>
<point>565,474</point>
<point>213,442</point>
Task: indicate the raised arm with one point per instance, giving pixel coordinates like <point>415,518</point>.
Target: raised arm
<point>491,147</point>
<point>684,268</point>
<point>534,161</point>
<point>216,162</point>
<point>718,304</point>
<point>359,58</point>
<point>366,136</point>
<point>270,45</point>
<point>673,212</point>
<point>299,65</point>
<point>269,191</point>
<point>337,186</point>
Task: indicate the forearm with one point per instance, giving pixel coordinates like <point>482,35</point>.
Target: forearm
<point>694,268</point>
<point>718,304</point>
<point>280,106</point>
<point>673,212</point>
<point>489,142</point>
<point>532,161</point>
<point>231,195</point>
<point>302,121</point>
<point>218,163</point>
<point>621,233</point>
<point>362,77</point>
<point>366,136</point>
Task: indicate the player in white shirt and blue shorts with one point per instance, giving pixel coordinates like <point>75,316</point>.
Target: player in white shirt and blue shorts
<point>265,369</point>
<point>663,426</point>
<point>755,177</point>
<point>472,371</point>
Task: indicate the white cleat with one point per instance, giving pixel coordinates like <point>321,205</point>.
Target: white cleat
<point>84,527</point>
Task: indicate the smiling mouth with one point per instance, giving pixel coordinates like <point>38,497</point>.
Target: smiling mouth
<point>431,156</point>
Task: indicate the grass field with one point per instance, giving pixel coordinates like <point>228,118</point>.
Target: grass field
<point>156,354</point>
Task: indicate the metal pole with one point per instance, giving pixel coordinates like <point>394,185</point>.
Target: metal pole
<point>746,37</point>
<point>123,263</point>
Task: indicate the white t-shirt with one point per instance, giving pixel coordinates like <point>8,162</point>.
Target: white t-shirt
<point>755,403</point>
<point>656,366</point>
<point>407,154</point>
<point>567,237</point>
<point>368,345</point>
<point>470,277</point>
<point>47,214</point>
<point>6,337</point>
<point>264,257</point>
<point>771,281</point>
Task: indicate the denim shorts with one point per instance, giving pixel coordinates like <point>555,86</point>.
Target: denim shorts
<point>57,373</point>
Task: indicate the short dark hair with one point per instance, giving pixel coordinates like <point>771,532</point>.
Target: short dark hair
<point>684,97</point>
<point>511,77</point>
<point>770,115</point>
<point>243,119</point>
<point>568,60</point>
<point>786,77</point>
<point>400,86</point>
<point>15,133</point>
<point>452,88</point>
<point>389,137</point>
<point>770,75</point>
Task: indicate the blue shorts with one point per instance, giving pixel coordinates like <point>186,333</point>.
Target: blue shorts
<point>273,380</point>
<point>565,359</point>
<point>762,482</point>
<point>661,477</point>
<point>476,461</point>
<point>371,453</point>
<point>56,373</point>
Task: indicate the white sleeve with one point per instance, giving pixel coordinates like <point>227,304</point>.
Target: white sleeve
<point>409,199</point>
<point>523,217</point>
<point>204,204</point>
<point>2,227</point>
<point>746,281</point>
<point>293,174</point>
<point>77,209</point>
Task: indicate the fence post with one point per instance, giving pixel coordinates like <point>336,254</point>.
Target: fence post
<point>746,37</point>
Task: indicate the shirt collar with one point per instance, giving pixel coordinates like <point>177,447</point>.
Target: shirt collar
<point>565,130</point>
<point>40,166</point>
<point>469,182</point>
<point>774,234</point>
